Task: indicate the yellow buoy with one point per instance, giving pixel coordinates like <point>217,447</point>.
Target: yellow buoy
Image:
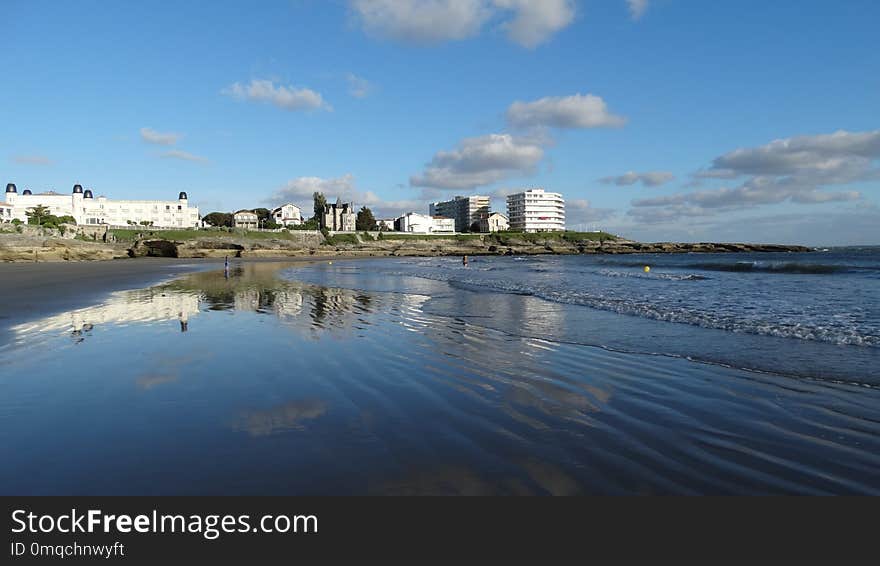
<point>647,269</point>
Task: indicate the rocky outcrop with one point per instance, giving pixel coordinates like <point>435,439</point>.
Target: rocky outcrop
<point>24,248</point>
<point>32,247</point>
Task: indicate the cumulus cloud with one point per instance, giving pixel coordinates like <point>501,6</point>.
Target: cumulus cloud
<point>285,97</point>
<point>637,8</point>
<point>536,21</point>
<point>150,135</point>
<point>480,161</point>
<point>648,179</point>
<point>358,87</point>
<point>183,155</point>
<point>839,157</point>
<point>526,22</point>
<point>422,21</point>
<point>801,169</point>
<point>31,160</point>
<point>576,111</point>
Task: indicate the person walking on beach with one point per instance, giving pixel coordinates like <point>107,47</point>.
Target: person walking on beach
<point>226,267</point>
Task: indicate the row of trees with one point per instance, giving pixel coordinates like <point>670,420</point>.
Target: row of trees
<point>364,222</point>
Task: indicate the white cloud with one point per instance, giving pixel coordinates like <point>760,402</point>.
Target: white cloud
<point>285,97</point>
<point>535,21</point>
<point>527,22</point>
<point>480,161</point>
<point>838,157</point>
<point>799,169</point>
<point>150,135</point>
<point>648,179</point>
<point>422,21</point>
<point>576,111</point>
<point>183,155</point>
<point>358,87</point>
<point>637,8</point>
<point>31,160</point>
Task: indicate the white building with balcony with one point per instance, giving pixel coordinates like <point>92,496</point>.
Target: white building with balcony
<point>535,210</point>
<point>287,215</point>
<point>89,210</point>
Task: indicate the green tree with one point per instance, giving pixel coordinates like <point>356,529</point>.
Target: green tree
<point>218,219</point>
<point>264,216</point>
<point>37,215</point>
<point>310,224</point>
<point>320,201</point>
<point>365,221</point>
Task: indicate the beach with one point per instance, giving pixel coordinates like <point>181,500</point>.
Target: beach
<point>514,375</point>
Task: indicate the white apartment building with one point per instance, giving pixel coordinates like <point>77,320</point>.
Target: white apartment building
<point>466,211</point>
<point>415,223</point>
<point>88,210</point>
<point>535,210</point>
<point>287,215</point>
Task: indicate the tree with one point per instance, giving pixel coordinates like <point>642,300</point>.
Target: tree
<point>365,221</point>
<point>320,202</point>
<point>37,215</point>
<point>263,215</point>
<point>219,219</point>
<point>310,224</point>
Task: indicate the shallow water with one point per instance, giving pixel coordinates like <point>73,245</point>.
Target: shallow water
<point>412,376</point>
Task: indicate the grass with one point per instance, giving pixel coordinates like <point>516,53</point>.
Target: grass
<point>566,236</point>
<point>339,239</point>
<point>456,237</point>
<point>129,235</point>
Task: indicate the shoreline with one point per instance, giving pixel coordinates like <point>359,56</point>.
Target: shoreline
<point>354,245</point>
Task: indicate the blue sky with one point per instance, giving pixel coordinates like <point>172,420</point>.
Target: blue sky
<point>657,119</point>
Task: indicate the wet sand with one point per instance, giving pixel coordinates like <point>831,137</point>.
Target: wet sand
<point>33,290</point>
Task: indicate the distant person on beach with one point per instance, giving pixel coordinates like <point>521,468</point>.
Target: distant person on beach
<point>464,261</point>
<point>226,267</point>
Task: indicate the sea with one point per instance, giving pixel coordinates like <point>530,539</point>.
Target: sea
<point>544,375</point>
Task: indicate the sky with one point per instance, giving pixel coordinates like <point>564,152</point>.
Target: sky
<point>682,120</point>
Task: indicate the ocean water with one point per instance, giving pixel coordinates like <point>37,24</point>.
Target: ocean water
<point>537,375</point>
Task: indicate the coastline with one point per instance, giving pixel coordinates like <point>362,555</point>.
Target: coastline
<point>15,249</point>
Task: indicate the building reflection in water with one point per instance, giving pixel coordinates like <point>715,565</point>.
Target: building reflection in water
<point>251,287</point>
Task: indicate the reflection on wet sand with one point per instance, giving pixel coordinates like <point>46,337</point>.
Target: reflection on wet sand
<point>253,287</point>
<point>305,388</point>
<point>289,416</point>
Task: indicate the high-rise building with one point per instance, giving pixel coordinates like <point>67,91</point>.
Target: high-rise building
<point>464,210</point>
<point>534,210</point>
